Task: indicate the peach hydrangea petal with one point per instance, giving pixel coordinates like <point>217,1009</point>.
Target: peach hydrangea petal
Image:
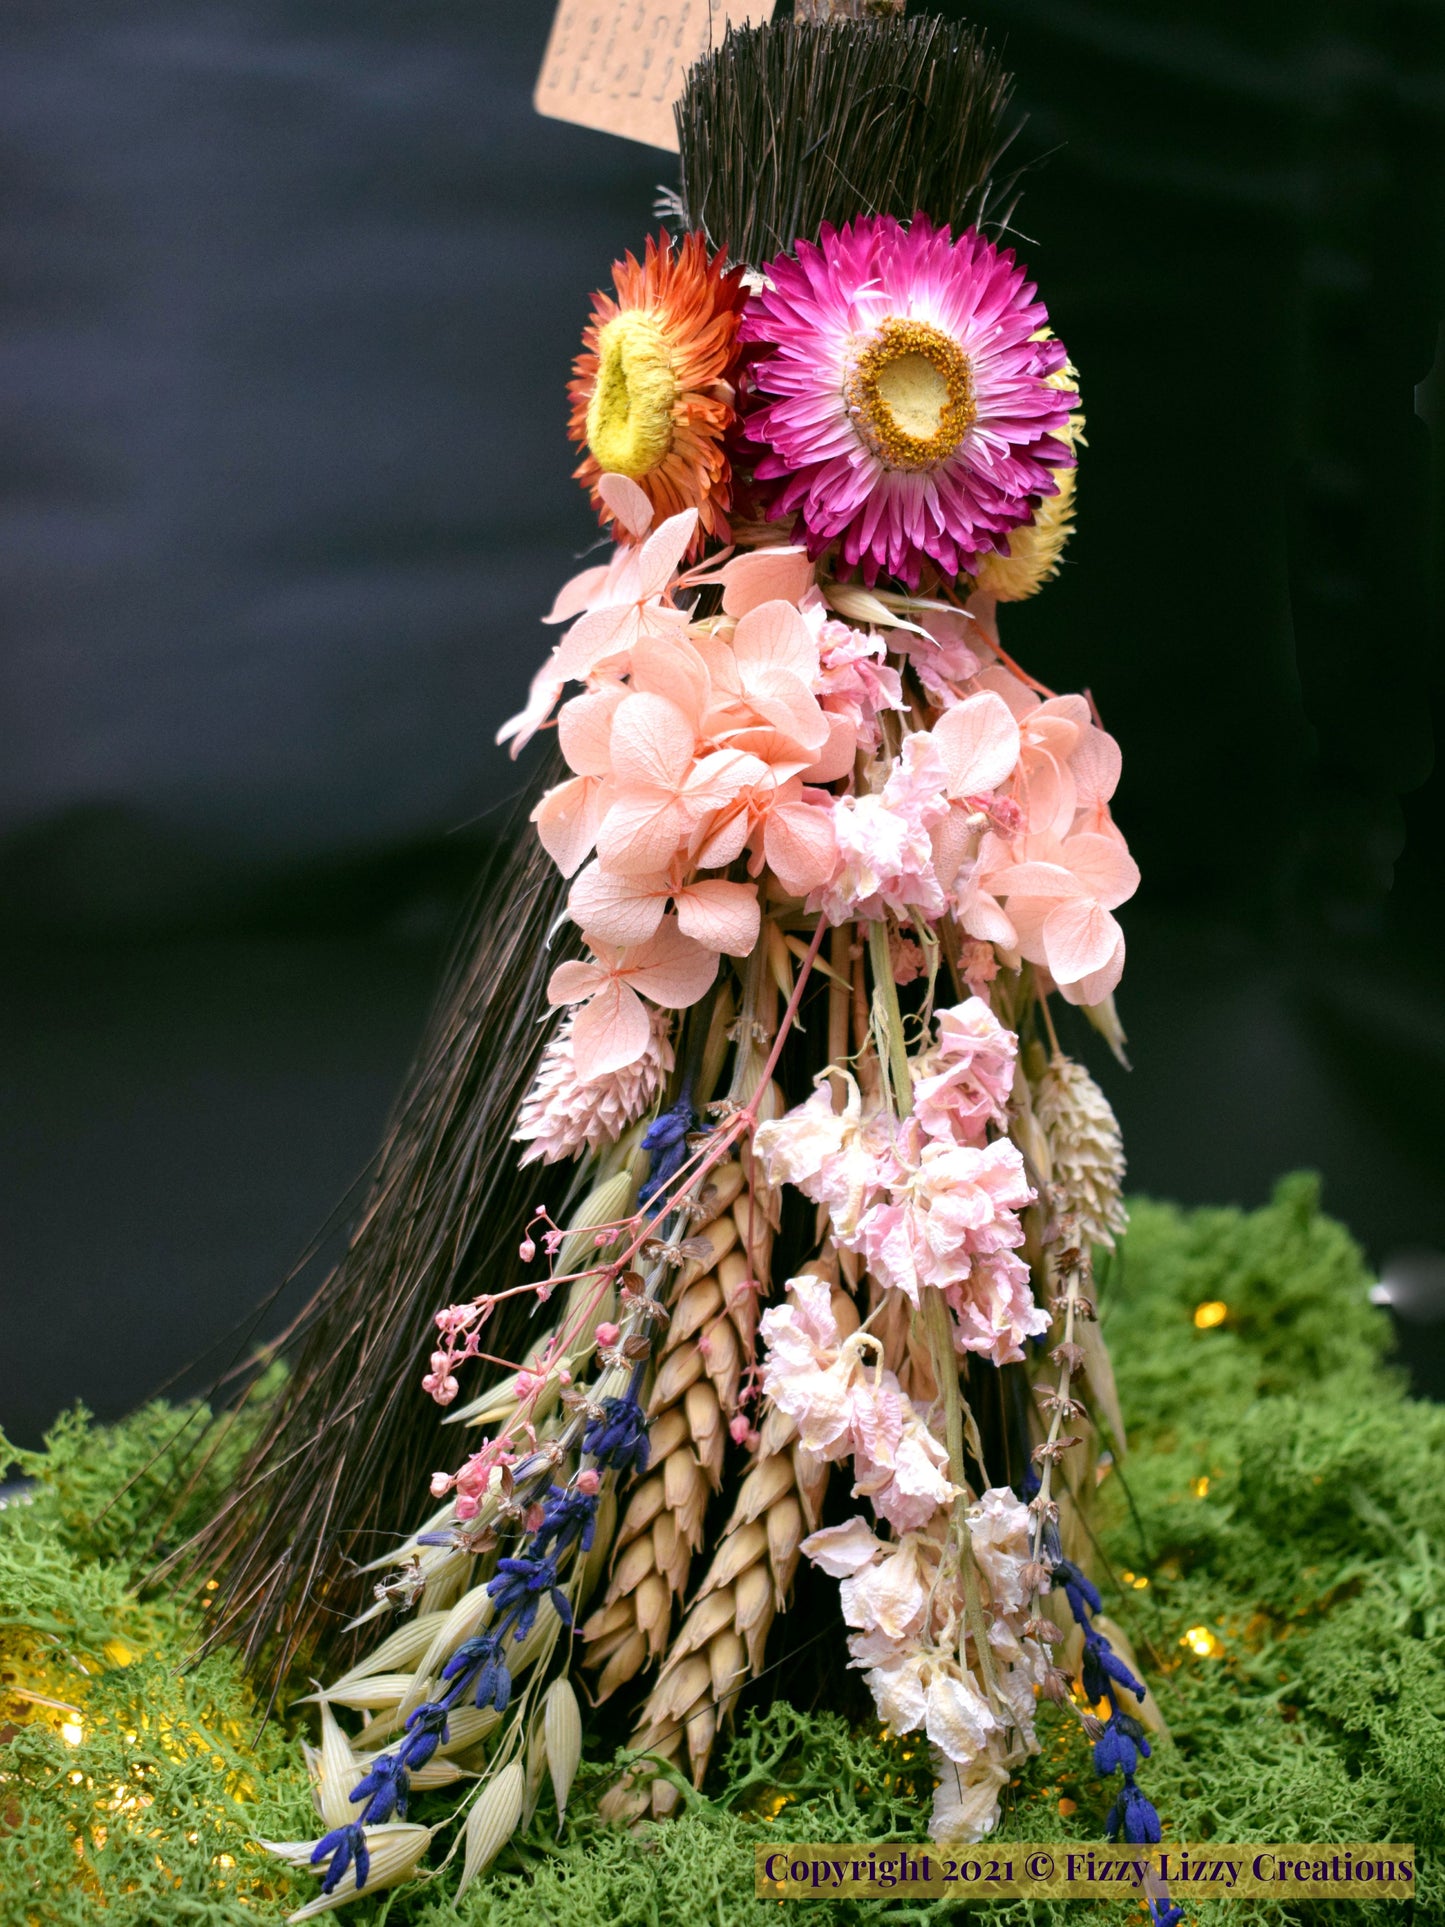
<point>1079,936</point>
<point>723,916</point>
<point>652,743</point>
<point>567,818</point>
<point>836,758</point>
<point>1097,763</point>
<point>578,594</point>
<point>572,981</point>
<point>979,743</point>
<point>584,730</point>
<point>622,910</point>
<point>670,666</point>
<point>595,638</point>
<point>762,575</point>
<point>1103,867</point>
<point>1099,984</point>
<point>671,969</point>
<point>773,636</point>
<point>723,837</point>
<point>800,846</point>
<point>663,551</point>
<point>546,686</point>
<point>628,503</point>
<point>610,1032</point>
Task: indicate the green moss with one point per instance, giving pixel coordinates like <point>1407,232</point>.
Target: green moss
<point>1280,1492</point>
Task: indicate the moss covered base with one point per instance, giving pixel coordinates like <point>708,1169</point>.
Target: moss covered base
<point>1274,1546</point>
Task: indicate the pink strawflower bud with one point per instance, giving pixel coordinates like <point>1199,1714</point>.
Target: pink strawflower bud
<point>608,1334</point>
<point>467,1508</point>
<point>526,1251</point>
<point>589,1480</point>
<point>441,1484</point>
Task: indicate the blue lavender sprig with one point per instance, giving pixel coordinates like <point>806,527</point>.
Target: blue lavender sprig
<point>1122,1743</point>
<point>478,1667</point>
<point>344,1844</point>
<point>618,1439</point>
<point>666,1138</point>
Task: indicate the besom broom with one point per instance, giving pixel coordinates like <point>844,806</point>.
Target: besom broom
<point>797,1176</point>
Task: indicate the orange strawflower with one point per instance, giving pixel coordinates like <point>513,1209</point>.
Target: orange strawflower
<point>651,393</point>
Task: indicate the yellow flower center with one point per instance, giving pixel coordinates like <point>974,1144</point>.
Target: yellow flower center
<point>910,393</point>
<point>629,418</point>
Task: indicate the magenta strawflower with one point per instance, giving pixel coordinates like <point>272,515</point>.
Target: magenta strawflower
<point>903,403</point>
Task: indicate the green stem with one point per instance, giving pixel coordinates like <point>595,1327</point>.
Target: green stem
<point>889,1019</point>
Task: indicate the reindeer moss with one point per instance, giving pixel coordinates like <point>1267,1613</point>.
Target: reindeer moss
<point>1280,1492</point>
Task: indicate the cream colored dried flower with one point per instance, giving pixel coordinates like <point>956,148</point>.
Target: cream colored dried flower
<point>1036,549</point>
<point>1086,1148</point>
<point>561,1114</point>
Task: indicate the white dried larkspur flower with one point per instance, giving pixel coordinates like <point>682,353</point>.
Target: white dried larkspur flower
<point>1087,1150</point>
<point>561,1115</point>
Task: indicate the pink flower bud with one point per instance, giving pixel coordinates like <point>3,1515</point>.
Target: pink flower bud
<point>739,1430</point>
<point>467,1508</point>
<point>526,1251</point>
<point>441,1484</point>
<point>589,1480</point>
<point>608,1334</point>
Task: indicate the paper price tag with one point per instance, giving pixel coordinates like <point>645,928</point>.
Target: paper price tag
<point>618,65</point>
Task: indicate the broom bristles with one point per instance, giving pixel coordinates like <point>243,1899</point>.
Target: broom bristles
<point>351,1439</point>
<point>784,127</point>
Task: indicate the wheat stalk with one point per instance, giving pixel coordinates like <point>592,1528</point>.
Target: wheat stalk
<point>721,1642</point>
<point>694,1395</point>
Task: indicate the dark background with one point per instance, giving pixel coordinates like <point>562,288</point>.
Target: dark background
<point>288,294</point>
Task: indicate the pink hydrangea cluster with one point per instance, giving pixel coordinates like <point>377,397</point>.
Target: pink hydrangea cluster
<point>758,739</point>
<point>692,745</point>
<point>1048,892</point>
<point>926,1200</point>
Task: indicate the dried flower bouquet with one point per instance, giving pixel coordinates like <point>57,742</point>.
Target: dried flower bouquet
<point>832,854</point>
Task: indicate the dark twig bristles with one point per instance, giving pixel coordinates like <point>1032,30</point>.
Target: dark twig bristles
<point>352,1439</point>
<point>784,127</point>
